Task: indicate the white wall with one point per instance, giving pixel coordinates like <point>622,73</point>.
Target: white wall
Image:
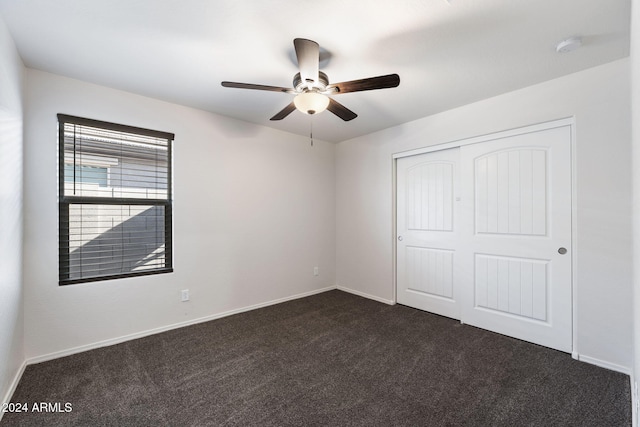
<point>635,131</point>
<point>254,212</point>
<point>11,299</point>
<point>598,98</point>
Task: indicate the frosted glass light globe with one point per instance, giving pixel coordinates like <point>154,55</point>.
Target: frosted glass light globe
<point>311,102</point>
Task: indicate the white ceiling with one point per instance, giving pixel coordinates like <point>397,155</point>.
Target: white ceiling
<point>447,53</point>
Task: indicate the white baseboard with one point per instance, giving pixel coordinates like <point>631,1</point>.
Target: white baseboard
<point>124,338</point>
<point>605,364</point>
<point>13,386</point>
<point>365,295</point>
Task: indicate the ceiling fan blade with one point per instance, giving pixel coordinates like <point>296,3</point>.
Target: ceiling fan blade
<point>284,112</point>
<point>308,54</point>
<point>257,87</point>
<point>371,83</point>
<point>341,111</point>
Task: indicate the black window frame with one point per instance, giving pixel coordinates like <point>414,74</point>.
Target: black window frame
<point>65,201</point>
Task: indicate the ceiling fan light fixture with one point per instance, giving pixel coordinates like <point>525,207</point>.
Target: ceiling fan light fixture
<point>312,87</point>
<point>311,102</point>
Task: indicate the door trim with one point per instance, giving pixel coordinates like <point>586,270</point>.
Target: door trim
<point>568,121</point>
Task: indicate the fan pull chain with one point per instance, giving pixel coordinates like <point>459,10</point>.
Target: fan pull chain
<point>311,129</point>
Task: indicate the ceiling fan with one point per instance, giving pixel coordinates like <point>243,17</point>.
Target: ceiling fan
<point>312,88</point>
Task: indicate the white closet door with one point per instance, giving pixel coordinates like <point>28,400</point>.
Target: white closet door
<point>427,225</point>
<point>484,235</point>
<point>516,236</point>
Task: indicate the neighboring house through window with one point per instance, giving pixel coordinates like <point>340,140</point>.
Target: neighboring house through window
<point>86,174</point>
<point>115,201</point>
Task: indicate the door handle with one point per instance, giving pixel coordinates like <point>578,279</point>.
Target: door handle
<point>562,251</point>
<point>400,238</point>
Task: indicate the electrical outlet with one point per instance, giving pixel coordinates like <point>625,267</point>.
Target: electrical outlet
<point>184,295</point>
<point>315,271</point>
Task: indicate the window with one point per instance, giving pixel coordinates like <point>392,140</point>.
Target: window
<point>86,174</point>
<point>114,200</point>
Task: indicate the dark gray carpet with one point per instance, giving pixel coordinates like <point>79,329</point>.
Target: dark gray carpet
<point>332,359</point>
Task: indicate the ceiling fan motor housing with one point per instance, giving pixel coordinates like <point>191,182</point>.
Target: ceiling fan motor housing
<point>301,86</point>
